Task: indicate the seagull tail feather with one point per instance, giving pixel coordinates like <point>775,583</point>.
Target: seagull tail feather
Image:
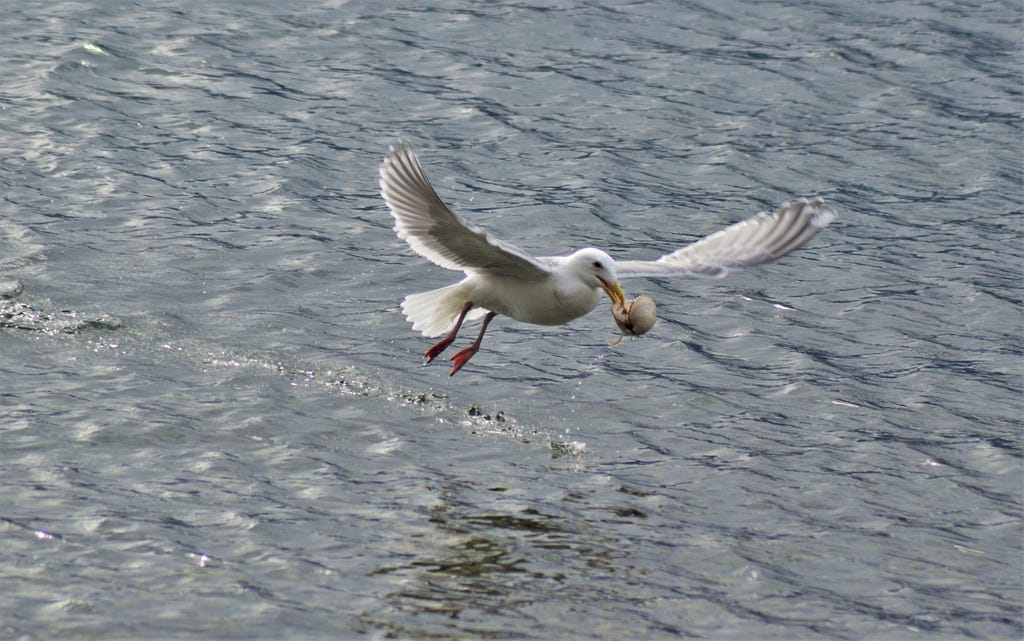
<point>434,313</point>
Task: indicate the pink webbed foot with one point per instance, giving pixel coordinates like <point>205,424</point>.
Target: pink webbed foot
<point>436,349</point>
<point>443,344</point>
<point>463,355</point>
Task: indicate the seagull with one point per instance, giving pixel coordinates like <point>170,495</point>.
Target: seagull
<point>552,290</point>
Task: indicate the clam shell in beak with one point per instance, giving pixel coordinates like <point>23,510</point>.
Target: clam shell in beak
<point>636,318</point>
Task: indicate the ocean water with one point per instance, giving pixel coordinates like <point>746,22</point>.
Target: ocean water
<point>214,421</point>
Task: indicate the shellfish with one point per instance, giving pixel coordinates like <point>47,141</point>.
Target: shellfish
<point>635,319</point>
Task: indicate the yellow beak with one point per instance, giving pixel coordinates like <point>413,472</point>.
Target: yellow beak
<point>614,291</point>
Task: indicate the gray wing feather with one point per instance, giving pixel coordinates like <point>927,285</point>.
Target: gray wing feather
<point>438,234</point>
<point>757,240</point>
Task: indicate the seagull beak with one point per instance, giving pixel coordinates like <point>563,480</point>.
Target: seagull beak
<point>614,291</point>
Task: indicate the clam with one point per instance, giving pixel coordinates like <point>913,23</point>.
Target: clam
<point>636,318</point>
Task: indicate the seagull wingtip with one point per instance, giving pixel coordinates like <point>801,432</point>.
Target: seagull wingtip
<point>823,215</point>
<point>401,145</point>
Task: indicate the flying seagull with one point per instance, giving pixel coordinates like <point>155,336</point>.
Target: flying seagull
<point>551,290</point>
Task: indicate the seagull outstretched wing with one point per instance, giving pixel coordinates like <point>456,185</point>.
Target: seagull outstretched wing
<point>437,233</point>
<point>760,239</point>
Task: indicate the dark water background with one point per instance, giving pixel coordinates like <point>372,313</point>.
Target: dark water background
<point>213,422</point>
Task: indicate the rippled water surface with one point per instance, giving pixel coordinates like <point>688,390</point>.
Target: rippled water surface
<point>213,418</point>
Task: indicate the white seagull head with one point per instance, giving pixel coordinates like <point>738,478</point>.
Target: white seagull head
<point>597,269</point>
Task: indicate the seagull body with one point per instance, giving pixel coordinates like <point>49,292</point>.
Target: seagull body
<point>502,279</point>
<point>561,293</point>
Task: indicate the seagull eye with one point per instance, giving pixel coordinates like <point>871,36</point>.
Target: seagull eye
<point>598,265</point>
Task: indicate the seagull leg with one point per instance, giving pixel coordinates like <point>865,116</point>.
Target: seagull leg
<point>443,344</point>
<point>462,356</point>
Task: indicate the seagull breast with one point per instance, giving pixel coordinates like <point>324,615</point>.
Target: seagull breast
<point>556,299</point>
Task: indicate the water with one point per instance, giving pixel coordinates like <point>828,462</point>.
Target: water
<point>214,421</point>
